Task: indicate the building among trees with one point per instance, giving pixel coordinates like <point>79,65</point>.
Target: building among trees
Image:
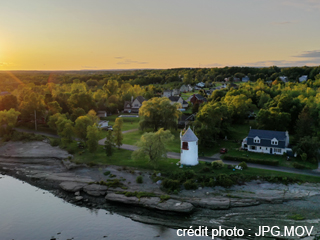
<point>265,141</point>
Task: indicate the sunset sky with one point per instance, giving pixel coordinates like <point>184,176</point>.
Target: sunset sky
<point>130,34</point>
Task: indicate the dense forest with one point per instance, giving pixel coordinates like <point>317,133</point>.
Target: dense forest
<point>64,100</point>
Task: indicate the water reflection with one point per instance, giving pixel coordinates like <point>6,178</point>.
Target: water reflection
<point>31,213</point>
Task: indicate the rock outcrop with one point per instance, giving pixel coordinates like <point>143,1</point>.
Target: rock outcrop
<point>152,202</point>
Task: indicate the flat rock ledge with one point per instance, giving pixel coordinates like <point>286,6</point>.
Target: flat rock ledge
<point>152,202</point>
<point>222,203</point>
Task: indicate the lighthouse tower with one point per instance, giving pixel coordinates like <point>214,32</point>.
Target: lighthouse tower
<point>189,148</point>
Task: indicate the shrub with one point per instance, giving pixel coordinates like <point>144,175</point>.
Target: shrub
<point>304,157</point>
<point>206,169</point>
<point>55,142</point>
<point>224,180</point>
<point>297,217</point>
<point>164,198</point>
<point>171,185</point>
<point>106,173</point>
<point>71,150</point>
<point>252,160</point>
<point>243,165</point>
<point>183,176</point>
<point>217,164</point>
<point>138,194</point>
<point>139,179</point>
<point>238,177</point>
<point>298,165</point>
<point>190,184</point>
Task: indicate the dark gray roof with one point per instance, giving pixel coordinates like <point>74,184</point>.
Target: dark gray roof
<point>265,138</point>
<point>126,103</point>
<point>141,99</point>
<point>189,136</point>
<point>267,134</point>
<point>174,98</point>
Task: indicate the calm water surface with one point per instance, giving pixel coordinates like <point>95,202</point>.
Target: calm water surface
<point>31,213</point>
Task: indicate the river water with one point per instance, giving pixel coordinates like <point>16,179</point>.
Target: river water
<point>30,213</point>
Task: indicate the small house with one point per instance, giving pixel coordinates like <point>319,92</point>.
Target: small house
<point>245,79</point>
<point>101,114</point>
<point>134,105</point>
<point>303,78</point>
<point>175,92</point>
<point>284,79</point>
<point>196,98</point>
<point>186,88</point>
<point>176,99</point>
<point>167,93</point>
<point>103,124</point>
<point>266,141</point>
<point>200,85</point>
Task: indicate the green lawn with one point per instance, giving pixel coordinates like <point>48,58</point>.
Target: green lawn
<point>235,152</point>
<point>122,157</point>
<point>132,138</point>
<point>128,122</point>
<point>186,95</point>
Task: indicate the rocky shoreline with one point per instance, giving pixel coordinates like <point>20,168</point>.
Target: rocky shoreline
<point>48,167</point>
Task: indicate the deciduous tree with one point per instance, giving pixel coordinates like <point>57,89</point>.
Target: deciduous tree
<point>152,146</point>
<point>159,113</point>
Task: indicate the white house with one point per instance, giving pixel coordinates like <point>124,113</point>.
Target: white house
<point>167,93</point>
<point>103,124</point>
<point>189,148</point>
<point>245,79</point>
<point>265,141</point>
<point>134,105</point>
<point>284,79</point>
<point>201,84</point>
<point>102,114</point>
<point>186,88</point>
<point>175,92</point>
<point>176,99</point>
<point>303,78</point>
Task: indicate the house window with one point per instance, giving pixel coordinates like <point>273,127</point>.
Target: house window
<point>277,150</point>
<point>253,147</point>
<point>256,140</point>
<point>185,146</point>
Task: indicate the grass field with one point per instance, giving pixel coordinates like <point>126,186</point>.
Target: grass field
<point>128,122</point>
<point>132,138</point>
<point>122,157</point>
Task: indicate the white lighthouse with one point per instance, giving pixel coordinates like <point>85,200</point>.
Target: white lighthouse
<point>189,148</point>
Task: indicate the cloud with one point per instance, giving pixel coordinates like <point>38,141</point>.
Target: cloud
<point>284,63</point>
<point>89,67</point>
<point>2,64</point>
<point>119,57</point>
<point>283,23</point>
<point>211,65</point>
<point>307,5</point>
<point>310,54</point>
<point>129,61</point>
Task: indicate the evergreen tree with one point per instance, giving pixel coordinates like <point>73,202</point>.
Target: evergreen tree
<point>117,132</point>
<point>109,144</point>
